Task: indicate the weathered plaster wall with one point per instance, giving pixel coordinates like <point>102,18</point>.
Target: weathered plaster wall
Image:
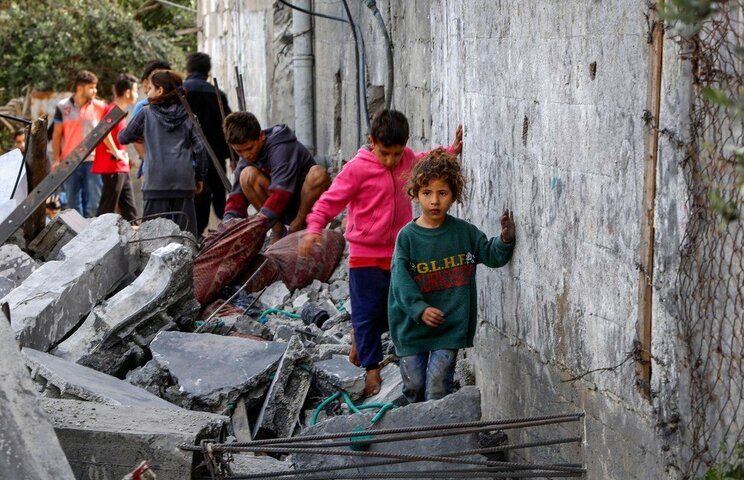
<point>552,96</point>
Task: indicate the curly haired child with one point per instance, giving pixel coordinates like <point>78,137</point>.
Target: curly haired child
<point>433,304</point>
<point>372,184</point>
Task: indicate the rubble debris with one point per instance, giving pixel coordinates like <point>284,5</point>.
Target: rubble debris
<point>29,448</point>
<point>63,379</point>
<point>211,371</point>
<point>56,234</point>
<point>15,267</point>
<point>157,233</point>
<point>391,389</point>
<point>114,337</point>
<point>340,374</point>
<point>326,351</point>
<point>50,303</point>
<point>275,295</point>
<point>105,441</point>
<point>461,406</point>
<point>286,395</point>
<point>150,377</point>
<point>247,326</point>
<point>10,165</point>
<point>250,464</point>
<point>241,426</point>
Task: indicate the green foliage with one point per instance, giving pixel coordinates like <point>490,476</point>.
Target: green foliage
<point>45,43</point>
<point>730,469</point>
<point>166,19</point>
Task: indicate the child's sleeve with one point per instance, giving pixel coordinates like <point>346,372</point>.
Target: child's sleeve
<point>133,131</point>
<point>492,252</point>
<point>405,294</point>
<point>333,200</point>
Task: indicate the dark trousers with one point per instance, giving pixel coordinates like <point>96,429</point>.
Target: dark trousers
<point>213,194</point>
<point>117,190</point>
<point>369,287</point>
<point>181,212</point>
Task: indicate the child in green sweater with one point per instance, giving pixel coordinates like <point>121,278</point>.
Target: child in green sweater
<point>432,305</point>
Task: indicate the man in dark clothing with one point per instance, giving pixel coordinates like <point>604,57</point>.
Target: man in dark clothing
<point>203,101</point>
<point>276,174</point>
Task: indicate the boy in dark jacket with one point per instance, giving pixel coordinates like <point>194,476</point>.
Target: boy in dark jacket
<point>276,174</point>
<point>433,304</point>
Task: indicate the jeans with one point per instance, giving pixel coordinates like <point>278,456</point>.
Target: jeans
<point>428,375</point>
<point>83,190</point>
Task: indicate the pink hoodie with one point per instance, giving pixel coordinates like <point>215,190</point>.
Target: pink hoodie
<point>378,203</point>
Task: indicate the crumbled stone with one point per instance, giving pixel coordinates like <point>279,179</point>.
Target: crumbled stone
<point>15,267</point>
<point>339,374</point>
<point>275,295</point>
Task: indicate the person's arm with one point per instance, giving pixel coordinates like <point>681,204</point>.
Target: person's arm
<point>497,251</point>
<point>133,131</point>
<point>120,155</point>
<point>236,205</point>
<point>454,149</point>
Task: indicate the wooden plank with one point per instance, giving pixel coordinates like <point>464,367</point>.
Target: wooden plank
<point>37,167</point>
<point>51,182</point>
<point>646,277</point>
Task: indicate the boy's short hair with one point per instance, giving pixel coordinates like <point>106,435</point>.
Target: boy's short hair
<point>84,77</point>
<point>19,131</point>
<point>437,165</point>
<point>241,127</point>
<point>123,83</point>
<point>390,127</point>
<point>153,65</point>
<point>198,62</point>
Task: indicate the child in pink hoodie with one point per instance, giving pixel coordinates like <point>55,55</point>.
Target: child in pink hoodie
<point>372,185</point>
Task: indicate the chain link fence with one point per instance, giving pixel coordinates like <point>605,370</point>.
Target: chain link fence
<point>711,276</point>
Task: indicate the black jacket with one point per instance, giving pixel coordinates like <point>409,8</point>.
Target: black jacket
<point>203,102</point>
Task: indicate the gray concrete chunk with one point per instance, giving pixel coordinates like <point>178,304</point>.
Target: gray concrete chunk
<point>107,442</point>
<point>340,374</point>
<point>157,233</point>
<point>76,381</point>
<point>56,234</point>
<point>15,267</point>
<point>212,371</point>
<point>29,448</point>
<point>116,334</point>
<point>283,404</point>
<point>50,303</point>
<point>461,406</point>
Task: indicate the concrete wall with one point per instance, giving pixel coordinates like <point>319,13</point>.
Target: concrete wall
<point>552,96</point>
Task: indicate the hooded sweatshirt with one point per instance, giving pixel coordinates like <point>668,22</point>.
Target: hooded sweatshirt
<point>378,203</point>
<point>286,162</point>
<point>175,154</point>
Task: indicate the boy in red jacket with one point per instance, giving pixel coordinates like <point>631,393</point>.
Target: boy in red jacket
<point>372,185</point>
<point>112,160</point>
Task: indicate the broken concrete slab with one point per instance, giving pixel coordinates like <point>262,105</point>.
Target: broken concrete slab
<point>114,337</point>
<point>283,403</point>
<point>75,381</point>
<point>157,233</point>
<point>56,234</point>
<point>15,267</point>
<point>10,164</point>
<point>461,406</point>
<point>107,442</point>
<point>151,378</point>
<point>326,351</point>
<point>50,303</point>
<point>340,374</point>
<point>211,371</point>
<point>276,295</point>
<point>391,389</point>
<point>29,448</point>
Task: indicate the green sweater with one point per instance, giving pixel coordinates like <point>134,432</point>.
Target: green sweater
<point>435,267</point>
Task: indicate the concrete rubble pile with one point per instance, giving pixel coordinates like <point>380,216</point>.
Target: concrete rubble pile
<point>104,319</point>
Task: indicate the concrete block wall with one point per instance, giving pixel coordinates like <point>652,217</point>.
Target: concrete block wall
<point>552,96</point>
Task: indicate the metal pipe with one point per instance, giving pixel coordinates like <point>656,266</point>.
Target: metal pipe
<point>358,69</point>
<point>302,64</point>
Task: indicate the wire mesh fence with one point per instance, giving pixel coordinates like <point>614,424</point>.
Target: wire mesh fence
<point>710,282</point>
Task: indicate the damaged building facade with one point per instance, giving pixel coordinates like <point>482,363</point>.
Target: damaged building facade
<point>585,118</point>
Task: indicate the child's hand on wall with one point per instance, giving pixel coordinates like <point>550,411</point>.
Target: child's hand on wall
<point>508,229</point>
<point>432,317</point>
<point>457,144</point>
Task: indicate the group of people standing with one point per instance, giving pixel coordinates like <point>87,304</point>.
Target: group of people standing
<point>414,277</point>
